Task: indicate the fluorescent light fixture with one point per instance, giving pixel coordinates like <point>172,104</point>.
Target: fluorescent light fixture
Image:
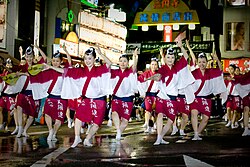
<point>191,26</point>
<point>144,28</point>
<point>160,27</point>
<point>176,27</point>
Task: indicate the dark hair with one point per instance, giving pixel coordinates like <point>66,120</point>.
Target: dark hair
<point>154,59</point>
<point>98,60</point>
<point>170,51</point>
<point>232,65</point>
<point>29,51</point>
<point>202,55</point>
<point>8,61</point>
<point>90,51</point>
<point>57,55</point>
<point>125,56</point>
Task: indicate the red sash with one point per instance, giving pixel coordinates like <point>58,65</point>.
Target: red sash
<point>26,83</point>
<point>85,87</point>
<point>150,86</point>
<point>118,85</point>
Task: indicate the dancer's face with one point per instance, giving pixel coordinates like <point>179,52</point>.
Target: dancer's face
<point>202,63</point>
<point>123,63</point>
<point>56,62</point>
<point>89,60</point>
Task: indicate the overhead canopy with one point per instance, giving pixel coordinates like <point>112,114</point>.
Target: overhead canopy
<point>166,12</point>
<point>5,55</point>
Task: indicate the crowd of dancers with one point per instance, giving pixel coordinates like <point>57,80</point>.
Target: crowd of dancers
<point>174,88</point>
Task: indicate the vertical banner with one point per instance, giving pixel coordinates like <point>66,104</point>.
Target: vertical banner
<point>167,34</point>
<point>3,13</point>
<point>36,30</point>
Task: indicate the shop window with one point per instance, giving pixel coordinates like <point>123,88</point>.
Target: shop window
<point>235,36</point>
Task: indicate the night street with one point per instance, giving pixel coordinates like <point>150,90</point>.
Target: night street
<point>220,146</point>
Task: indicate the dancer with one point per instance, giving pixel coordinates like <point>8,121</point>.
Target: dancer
<point>124,86</point>
<point>90,83</point>
<point>234,101</point>
<point>49,84</point>
<point>149,90</point>
<point>27,107</point>
<point>173,76</point>
<point>207,82</point>
<point>182,106</point>
<point>242,86</point>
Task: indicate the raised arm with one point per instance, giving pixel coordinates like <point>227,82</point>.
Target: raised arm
<point>68,55</point>
<point>191,52</point>
<point>60,70</point>
<point>215,57</point>
<point>105,58</point>
<point>183,50</point>
<point>21,52</point>
<point>135,60</point>
<point>155,77</point>
<point>40,51</point>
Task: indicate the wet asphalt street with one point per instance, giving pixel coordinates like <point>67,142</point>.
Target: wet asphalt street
<point>220,146</point>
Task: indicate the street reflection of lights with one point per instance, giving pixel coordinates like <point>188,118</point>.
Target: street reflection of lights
<point>144,28</point>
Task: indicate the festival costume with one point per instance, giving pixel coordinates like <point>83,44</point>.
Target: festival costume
<point>182,106</point>
<point>242,86</point>
<point>49,84</point>
<point>92,86</point>
<point>148,89</point>
<point>205,86</point>
<point>178,77</point>
<point>234,100</point>
<point>124,86</point>
<point>25,99</point>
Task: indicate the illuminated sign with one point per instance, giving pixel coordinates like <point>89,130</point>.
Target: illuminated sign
<point>90,3</point>
<point>166,12</point>
<point>241,63</point>
<point>70,16</point>
<point>205,46</point>
<point>98,30</point>
<point>72,47</point>
<point>102,24</point>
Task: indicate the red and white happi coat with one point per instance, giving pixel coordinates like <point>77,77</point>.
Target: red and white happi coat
<point>211,82</point>
<point>45,83</point>
<point>128,86</point>
<point>242,84</point>
<point>178,77</point>
<point>149,85</point>
<point>75,79</point>
<point>231,90</point>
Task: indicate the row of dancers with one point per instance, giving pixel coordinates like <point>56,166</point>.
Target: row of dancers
<point>171,88</point>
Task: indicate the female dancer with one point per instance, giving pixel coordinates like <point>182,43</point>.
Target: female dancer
<point>174,76</point>
<point>242,86</point>
<point>26,105</point>
<point>207,82</point>
<point>182,106</point>
<point>124,86</point>
<point>49,84</point>
<point>234,100</point>
<point>90,83</point>
<point>148,89</point>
